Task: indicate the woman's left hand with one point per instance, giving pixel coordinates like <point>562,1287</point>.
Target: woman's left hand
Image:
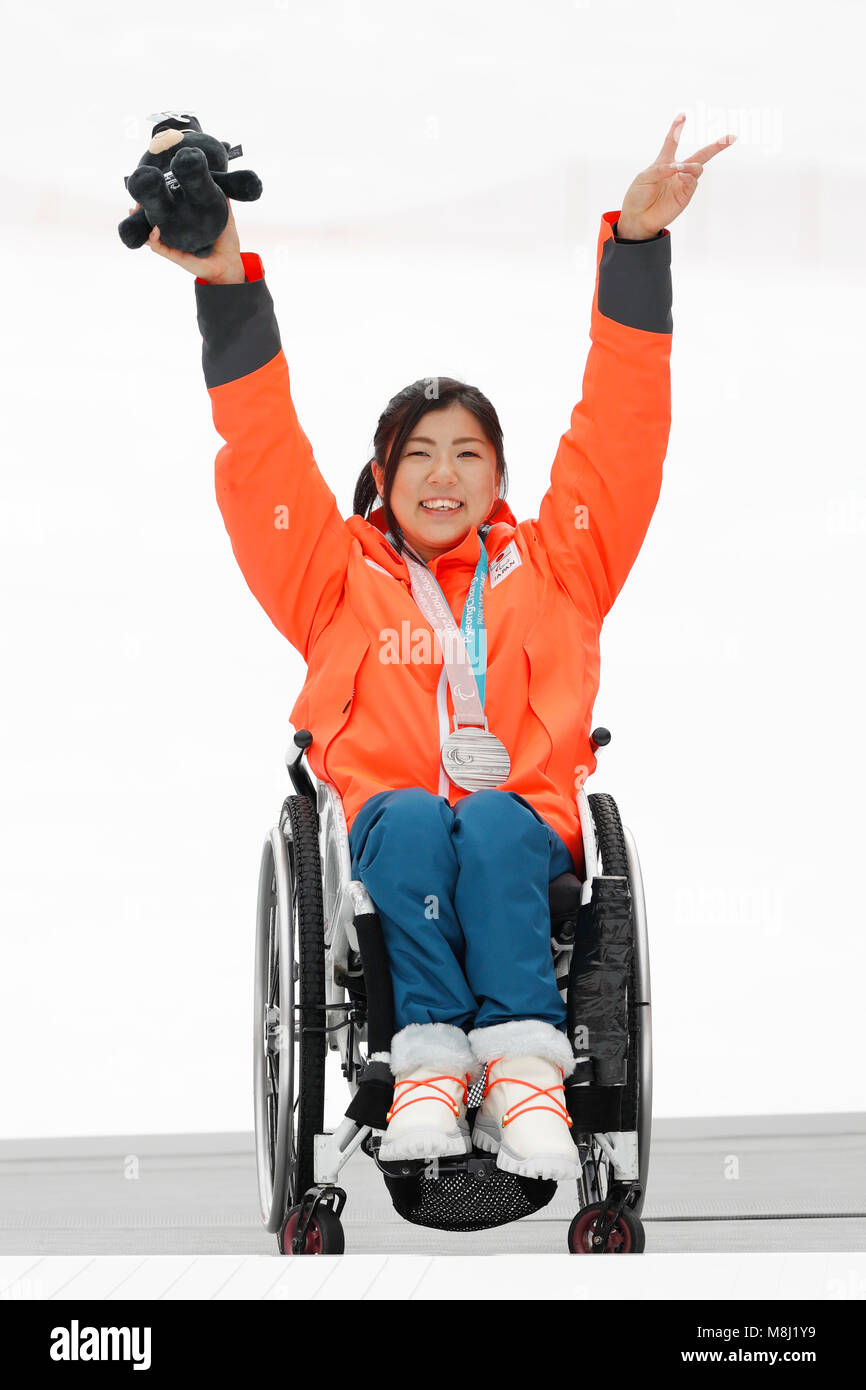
<point>664,190</point>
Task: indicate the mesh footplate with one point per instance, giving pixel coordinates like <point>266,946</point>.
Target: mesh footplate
<point>455,1201</point>
<point>461,1202</point>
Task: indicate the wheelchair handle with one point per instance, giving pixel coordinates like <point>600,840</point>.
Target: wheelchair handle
<point>297,771</point>
<point>599,738</point>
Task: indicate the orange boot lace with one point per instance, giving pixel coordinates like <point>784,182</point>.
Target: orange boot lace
<point>401,1103</point>
<point>522,1107</point>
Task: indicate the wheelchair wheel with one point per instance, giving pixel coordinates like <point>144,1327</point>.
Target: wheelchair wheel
<point>627,1235</point>
<point>619,857</point>
<point>324,1234</point>
<point>289,1041</point>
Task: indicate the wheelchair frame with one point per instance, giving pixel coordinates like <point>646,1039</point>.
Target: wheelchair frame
<point>614,1165</point>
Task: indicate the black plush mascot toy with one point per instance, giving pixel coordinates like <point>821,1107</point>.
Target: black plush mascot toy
<point>182,185</point>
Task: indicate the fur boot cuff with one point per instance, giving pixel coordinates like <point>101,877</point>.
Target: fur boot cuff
<point>523,1037</point>
<point>439,1045</point>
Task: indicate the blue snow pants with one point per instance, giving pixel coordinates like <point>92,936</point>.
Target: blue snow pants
<point>462,895</point>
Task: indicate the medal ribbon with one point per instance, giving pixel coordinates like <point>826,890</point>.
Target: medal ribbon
<point>467,669</point>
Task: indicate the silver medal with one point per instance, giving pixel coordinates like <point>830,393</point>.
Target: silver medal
<point>475,759</point>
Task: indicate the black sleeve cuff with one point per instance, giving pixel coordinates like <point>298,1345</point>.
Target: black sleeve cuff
<point>634,287</point>
<point>238,327</point>
<point>629,241</point>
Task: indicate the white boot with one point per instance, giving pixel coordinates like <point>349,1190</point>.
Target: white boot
<point>523,1118</point>
<point>433,1067</point>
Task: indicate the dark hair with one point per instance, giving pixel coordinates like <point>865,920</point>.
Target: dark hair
<point>398,421</point>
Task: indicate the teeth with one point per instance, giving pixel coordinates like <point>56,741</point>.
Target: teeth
<point>442,506</point>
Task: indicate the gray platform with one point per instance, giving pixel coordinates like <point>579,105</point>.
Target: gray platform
<point>774,1183</point>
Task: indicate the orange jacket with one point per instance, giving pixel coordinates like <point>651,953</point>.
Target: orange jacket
<point>340,593</point>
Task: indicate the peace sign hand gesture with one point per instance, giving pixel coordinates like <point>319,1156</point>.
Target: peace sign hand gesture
<point>664,190</point>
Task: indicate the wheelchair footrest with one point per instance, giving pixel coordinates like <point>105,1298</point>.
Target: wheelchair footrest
<point>474,1196</point>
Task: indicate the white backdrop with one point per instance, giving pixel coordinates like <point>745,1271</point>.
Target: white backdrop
<point>433,181</point>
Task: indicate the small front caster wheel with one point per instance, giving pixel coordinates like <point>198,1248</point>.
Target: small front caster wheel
<point>627,1236</point>
<point>324,1234</point>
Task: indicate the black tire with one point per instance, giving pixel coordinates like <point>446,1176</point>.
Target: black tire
<point>299,825</point>
<point>608,832</point>
<point>325,1234</point>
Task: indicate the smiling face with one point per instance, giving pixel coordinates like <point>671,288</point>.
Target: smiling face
<point>447,457</point>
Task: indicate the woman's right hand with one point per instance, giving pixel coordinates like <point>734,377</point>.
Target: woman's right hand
<point>222,267</point>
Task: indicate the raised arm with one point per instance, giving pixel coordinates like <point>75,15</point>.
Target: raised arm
<point>286,532</point>
<point>606,477</point>
<point>607,473</point>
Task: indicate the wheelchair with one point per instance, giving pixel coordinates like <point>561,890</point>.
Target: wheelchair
<point>322,984</point>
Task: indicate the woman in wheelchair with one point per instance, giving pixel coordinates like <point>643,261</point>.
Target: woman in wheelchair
<point>453,660</point>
